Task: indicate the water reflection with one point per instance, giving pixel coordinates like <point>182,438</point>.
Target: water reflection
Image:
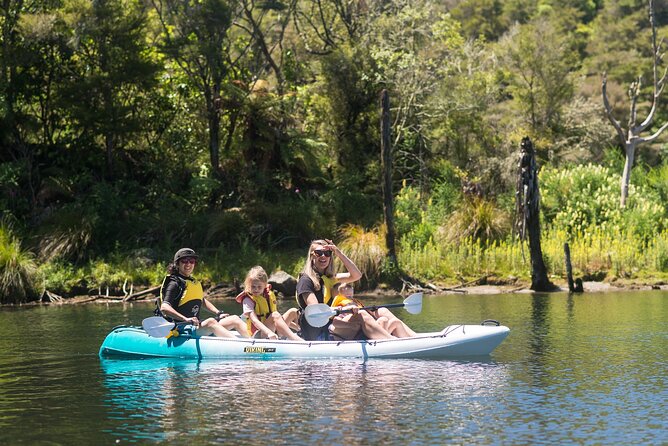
<point>308,402</point>
<point>587,370</point>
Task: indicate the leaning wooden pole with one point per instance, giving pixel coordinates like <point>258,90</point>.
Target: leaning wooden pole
<point>528,214</point>
<point>386,161</point>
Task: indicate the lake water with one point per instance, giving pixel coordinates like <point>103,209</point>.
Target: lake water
<point>583,369</point>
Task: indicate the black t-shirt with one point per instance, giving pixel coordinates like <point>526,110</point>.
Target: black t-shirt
<point>305,287</point>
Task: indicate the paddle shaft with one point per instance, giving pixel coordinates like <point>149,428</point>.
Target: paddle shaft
<point>371,308</point>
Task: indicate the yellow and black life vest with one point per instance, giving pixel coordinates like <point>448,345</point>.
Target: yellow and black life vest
<point>191,295</point>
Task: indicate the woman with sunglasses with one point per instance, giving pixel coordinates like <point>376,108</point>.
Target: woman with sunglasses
<point>182,297</point>
<point>316,285</point>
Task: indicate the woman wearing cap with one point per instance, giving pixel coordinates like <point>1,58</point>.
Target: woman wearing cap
<point>182,297</point>
<point>315,286</point>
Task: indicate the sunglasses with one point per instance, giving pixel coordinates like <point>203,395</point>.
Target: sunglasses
<point>187,260</point>
<point>320,253</point>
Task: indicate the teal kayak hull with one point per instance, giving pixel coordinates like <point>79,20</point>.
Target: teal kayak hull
<point>452,342</point>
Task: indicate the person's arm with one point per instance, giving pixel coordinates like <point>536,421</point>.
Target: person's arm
<point>169,311</point>
<point>260,326</point>
<point>353,273</point>
<point>306,290</point>
<point>212,308</point>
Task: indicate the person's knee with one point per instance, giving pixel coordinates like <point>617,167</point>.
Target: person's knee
<point>210,322</point>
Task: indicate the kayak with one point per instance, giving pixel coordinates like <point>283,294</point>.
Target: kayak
<point>451,342</point>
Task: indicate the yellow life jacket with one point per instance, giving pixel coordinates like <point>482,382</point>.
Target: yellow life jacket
<point>192,295</point>
<point>327,290</point>
<point>341,301</point>
<point>190,301</point>
<point>265,304</point>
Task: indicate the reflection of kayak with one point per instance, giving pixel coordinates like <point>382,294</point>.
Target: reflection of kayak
<point>453,341</point>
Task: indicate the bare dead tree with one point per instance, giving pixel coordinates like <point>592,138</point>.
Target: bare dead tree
<point>631,136</point>
<point>527,209</point>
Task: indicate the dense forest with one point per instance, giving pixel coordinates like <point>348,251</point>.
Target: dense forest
<point>246,128</point>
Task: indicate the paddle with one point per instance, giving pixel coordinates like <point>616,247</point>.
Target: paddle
<point>317,315</point>
<point>158,327</point>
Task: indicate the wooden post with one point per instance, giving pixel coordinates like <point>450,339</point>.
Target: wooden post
<point>527,207</point>
<point>386,162</point>
<point>569,268</point>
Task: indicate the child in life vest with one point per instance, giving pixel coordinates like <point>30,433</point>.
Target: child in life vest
<point>259,307</point>
<point>395,326</point>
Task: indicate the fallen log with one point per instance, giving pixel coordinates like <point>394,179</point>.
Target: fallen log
<point>135,296</point>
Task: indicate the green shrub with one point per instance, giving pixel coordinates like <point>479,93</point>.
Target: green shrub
<point>407,209</point>
<point>20,280</point>
<point>585,198</point>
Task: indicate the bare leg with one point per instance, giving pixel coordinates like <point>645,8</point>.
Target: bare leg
<point>399,328</point>
<point>210,326</point>
<point>346,327</point>
<point>291,317</point>
<point>276,323</point>
<point>234,322</point>
<point>372,329</point>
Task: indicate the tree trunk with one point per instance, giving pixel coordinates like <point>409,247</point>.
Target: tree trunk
<point>569,268</point>
<point>626,175</point>
<point>528,209</point>
<point>386,158</point>
<point>213,115</point>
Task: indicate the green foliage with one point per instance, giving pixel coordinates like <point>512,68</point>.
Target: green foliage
<point>407,209</point>
<point>595,254</point>
<point>112,113</point>
<point>580,199</point>
<point>540,61</point>
<point>20,280</point>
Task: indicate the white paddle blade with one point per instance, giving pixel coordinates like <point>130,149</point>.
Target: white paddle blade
<point>317,315</point>
<point>157,327</point>
<point>413,303</point>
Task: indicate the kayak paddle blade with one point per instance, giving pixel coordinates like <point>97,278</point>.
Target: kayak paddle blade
<point>157,327</point>
<point>413,303</point>
<point>317,315</point>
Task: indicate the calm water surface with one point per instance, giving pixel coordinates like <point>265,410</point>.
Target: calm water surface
<point>588,369</point>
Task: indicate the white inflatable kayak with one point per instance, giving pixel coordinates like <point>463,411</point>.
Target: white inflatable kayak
<point>452,341</point>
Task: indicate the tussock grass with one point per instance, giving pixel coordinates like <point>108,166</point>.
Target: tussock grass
<point>19,274</point>
<point>366,249</point>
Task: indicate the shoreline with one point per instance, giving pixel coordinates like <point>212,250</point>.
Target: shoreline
<point>221,291</point>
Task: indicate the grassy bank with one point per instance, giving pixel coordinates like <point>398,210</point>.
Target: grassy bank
<point>595,256</point>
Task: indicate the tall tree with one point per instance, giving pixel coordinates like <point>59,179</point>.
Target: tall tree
<point>631,137</point>
<point>540,61</point>
<point>196,37</point>
<point>113,72</point>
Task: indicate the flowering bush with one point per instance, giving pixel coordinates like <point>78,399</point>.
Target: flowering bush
<point>585,197</point>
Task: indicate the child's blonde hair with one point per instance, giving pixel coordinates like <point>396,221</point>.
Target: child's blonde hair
<point>344,285</point>
<point>255,273</point>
